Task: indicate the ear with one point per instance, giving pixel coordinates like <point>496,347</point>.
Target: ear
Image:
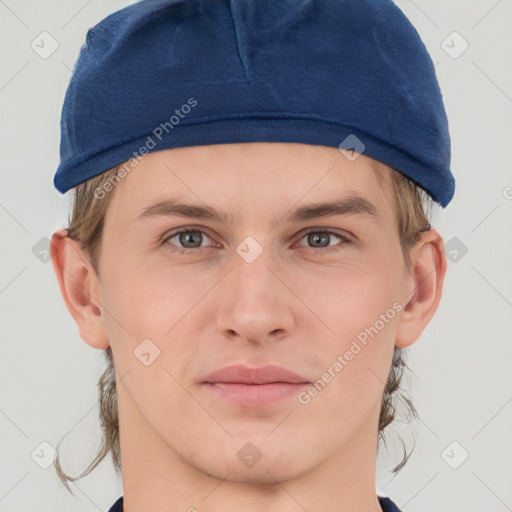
<point>427,276</point>
<point>79,286</point>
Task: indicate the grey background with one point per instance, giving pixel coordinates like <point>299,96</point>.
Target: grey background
<point>461,382</point>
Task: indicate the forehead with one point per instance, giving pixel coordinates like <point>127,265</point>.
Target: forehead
<point>250,177</point>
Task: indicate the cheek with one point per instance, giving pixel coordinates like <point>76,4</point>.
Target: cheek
<point>147,301</point>
<point>355,372</point>
<point>361,306</point>
<point>353,300</point>
<point>148,320</point>
<point>150,347</point>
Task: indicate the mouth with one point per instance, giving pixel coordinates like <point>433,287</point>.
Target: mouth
<point>254,387</point>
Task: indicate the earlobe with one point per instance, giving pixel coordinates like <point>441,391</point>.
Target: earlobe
<point>429,269</point>
<point>78,284</point>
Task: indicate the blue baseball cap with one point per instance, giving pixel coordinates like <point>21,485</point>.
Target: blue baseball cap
<point>162,74</point>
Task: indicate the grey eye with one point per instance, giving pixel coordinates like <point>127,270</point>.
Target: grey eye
<point>189,239</point>
<point>319,237</point>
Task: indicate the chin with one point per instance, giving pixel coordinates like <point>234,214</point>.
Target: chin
<point>264,472</point>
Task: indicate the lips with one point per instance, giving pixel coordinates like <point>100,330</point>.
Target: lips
<point>254,387</point>
<point>242,374</point>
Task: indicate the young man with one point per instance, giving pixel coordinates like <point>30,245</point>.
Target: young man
<point>238,244</point>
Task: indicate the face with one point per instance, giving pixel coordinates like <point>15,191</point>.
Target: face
<point>273,281</point>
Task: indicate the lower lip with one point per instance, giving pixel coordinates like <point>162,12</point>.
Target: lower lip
<point>255,395</point>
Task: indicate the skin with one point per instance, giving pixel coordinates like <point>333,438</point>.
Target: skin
<point>295,305</point>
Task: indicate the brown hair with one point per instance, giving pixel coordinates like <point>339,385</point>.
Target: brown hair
<point>413,205</point>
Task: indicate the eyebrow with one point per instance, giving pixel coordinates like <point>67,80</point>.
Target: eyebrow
<point>350,205</point>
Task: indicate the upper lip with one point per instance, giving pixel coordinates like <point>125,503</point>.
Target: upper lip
<point>263,375</point>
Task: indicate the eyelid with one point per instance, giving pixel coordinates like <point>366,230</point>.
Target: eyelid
<point>177,231</point>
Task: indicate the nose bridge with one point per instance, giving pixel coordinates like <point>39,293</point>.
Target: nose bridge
<point>252,278</point>
<point>254,301</point>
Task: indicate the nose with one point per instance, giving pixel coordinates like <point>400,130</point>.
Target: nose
<point>254,302</point>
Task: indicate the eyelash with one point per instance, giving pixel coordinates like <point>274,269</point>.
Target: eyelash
<point>345,240</point>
